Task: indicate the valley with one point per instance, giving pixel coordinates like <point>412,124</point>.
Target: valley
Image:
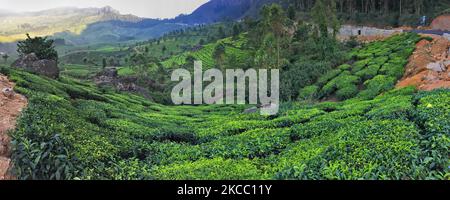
<point>364,105</point>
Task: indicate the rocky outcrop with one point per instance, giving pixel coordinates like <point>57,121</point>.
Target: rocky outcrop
<point>107,76</point>
<point>35,65</point>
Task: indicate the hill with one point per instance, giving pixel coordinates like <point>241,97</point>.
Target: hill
<point>44,23</point>
<point>222,10</point>
<point>74,130</point>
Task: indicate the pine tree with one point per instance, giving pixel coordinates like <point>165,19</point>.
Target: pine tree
<point>104,63</point>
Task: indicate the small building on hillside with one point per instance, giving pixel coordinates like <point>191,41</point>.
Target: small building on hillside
<point>348,30</point>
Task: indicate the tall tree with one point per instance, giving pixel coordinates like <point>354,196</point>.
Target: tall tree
<point>273,22</point>
<point>104,63</point>
<point>41,46</point>
<point>219,54</point>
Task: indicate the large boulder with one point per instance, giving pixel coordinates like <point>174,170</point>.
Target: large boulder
<point>32,63</point>
<point>106,77</point>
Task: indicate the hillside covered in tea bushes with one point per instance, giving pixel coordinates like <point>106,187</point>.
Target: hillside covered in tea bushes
<point>74,130</point>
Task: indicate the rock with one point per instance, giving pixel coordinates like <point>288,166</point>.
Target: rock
<point>437,67</point>
<point>269,109</point>
<point>110,72</point>
<point>447,64</point>
<point>8,92</point>
<point>107,76</point>
<point>33,64</point>
<point>251,110</point>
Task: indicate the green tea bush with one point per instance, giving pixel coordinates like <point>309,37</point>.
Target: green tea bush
<point>210,169</point>
<point>308,93</point>
<point>345,67</point>
<point>328,76</point>
<point>376,86</point>
<point>359,151</point>
<point>433,114</point>
<point>392,70</point>
<point>369,72</point>
<point>347,92</point>
<point>359,65</point>
<point>251,144</point>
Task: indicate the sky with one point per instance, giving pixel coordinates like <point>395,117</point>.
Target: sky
<point>141,8</point>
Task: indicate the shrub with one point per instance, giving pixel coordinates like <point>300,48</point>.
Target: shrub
<point>369,72</point>
<point>251,144</point>
<point>308,93</point>
<point>345,67</point>
<point>376,86</point>
<point>346,80</point>
<point>328,76</point>
<point>213,169</point>
<point>392,70</point>
<point>347,92</point>
<point>379,60</point>
<point>433,113</point>
<point>359,65</point>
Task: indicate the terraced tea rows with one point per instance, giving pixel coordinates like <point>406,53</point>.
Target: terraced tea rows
<point>72,130</point>
<point>376,69</point>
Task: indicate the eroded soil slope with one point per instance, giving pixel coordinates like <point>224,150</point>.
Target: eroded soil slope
<point>11,104</point>
<point>429,66</point>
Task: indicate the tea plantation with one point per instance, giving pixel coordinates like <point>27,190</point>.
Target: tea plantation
<point>375,69</point>
<point>74,130</point>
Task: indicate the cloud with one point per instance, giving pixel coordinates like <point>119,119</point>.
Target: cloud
<point>142,8</point>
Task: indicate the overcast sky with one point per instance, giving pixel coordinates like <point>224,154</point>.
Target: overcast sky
<point>142,8</point>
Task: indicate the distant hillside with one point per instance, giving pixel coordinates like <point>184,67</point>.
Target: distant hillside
<point>119,31</point>
<point>13,26</point>
<point>220,10</point>
<point>106,25</point>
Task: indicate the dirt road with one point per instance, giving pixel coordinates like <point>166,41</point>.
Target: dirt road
<point>11,105</point>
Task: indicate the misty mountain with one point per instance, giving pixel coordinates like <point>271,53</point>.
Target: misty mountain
<point>107,25</point>
<point>81,25</point>
<point>221,10</point>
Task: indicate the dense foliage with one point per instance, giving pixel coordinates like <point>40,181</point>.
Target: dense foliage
<point>374,69</point>
<point>378,12</point>
<point>41,46</point>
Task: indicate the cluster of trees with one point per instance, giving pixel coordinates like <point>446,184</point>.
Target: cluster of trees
<point>41,46</point>
<point>376,6</point>
<point>381,12</point>
<point>303,51</point>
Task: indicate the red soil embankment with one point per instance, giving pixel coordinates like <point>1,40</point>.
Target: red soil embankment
<point>429,66</point>
<point>11,105</point>
<point>441,23</point>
